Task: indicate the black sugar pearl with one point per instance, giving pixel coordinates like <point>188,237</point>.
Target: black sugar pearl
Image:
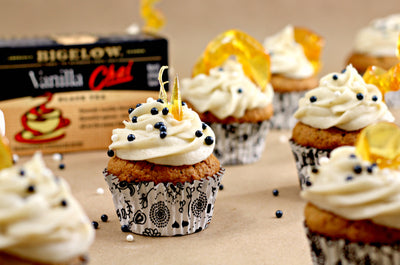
<point>130,110</point>
<point>163,128</point>
<point>160,100</point>
<point>352,156</point>
<point>158,125</point>
<point>131,137</point>
<point>165,111</point>
<point>183,103</point>
<point>335,77</point>
<point>163,134</point>
<point>104,218</point>
<point>313,99</point>
<point>134,119</point>
<point>275,192</point>
<point>64,203</point>
<point>370,169</point>
<point>31,188</point>
<point>198,133</point>
<point>138,105</point>
<point>95,225</point>
<point>154,111</point>
<point>308,183</point>
<point>348,178</point>
<point>209,140</point>
<point>125,228</point>
<point>374,98</point>
<point>203,126</point>
<point>314,170</point>
<point>110,153</point>
<point>221,187</point>
<point>278,213</point>
<point>61,166</point>
<point>240,90</point>
<point>357,169</point>
<point>21,172</point>
<point>344,71</point>
<point>360,96</point>
<point>221,69</point>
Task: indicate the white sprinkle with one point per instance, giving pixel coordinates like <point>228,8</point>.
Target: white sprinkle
<point>15,158</point>
<point>283,138</point>
<point>149,128</point>
<point>129,238</point>
<point>57,157</point>
<point>149,100</point>
<point>337,93</point>
<point>100,191</point>
<point>323,160</point>
<point>114,137</point>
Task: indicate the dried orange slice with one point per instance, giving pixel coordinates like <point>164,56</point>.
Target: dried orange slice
<point>248,51</point>
<point>380,143</point>
<point>312,44</point>
<point>154,18</point>
<point>385,80</point>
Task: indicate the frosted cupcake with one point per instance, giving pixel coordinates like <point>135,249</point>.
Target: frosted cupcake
<point>332,115</point>
<point>162,174</point>
<point>228,98</point>
<point>352,214</point>
<point>292,73</point>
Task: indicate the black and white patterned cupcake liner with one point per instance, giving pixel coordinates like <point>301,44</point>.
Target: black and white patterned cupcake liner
<point>306,158</point>
<point>285,105</point>
<point>392,99</point>
<point>239,143</point>
<point>327,251</point>
<point>164,209</point>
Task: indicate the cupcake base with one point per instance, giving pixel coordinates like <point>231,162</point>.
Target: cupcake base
<point>240,143</point>
<point>327,251</point>
<point>164,209</point>
<point>285,105</point>
<point>306,158</point>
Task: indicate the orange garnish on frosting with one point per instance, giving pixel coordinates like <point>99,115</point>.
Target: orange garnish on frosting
<point>312,45</point>
<point>6,159</point>
<point>380,143</point>
<point>248,51</point>
<point>154,19</point>
<point>176,102</point>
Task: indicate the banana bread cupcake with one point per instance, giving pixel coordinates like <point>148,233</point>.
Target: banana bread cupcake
<point>293,73</point>
<point>332,115</point>
<point>226,97</point>
<point>162,174</point>
<point>352,215</point>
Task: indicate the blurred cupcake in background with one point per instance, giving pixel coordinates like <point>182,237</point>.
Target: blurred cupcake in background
<point>295,62</point>
<point>231,92</point>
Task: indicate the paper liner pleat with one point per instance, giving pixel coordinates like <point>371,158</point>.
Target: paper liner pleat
<point>285,105</point>
<point>165,209</point>
<point>240,143</point>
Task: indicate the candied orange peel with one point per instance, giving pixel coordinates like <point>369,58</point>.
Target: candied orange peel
<point>154,18</point>
<point>312,44</point>
<point>380,143</point>
<point>248,51</point>
<point>6,159</point>
<point>176,102</point>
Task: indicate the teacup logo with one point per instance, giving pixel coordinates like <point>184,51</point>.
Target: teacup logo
<point>42,124</point>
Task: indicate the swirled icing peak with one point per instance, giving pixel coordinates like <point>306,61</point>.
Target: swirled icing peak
<point>154,135</point>
<point>380,37</point>
<point>355,189</point>
<point>287,56</point>
<point>40,220</point>
<point>225,91</point>
<point>343,100</point>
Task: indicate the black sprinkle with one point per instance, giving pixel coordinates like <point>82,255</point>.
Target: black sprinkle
<point>61,166</point>
<point>95,225</point>
<point>163,134</point>
<point>275,192</point>
<point>131,137</point>
<point>110,153</point>
<point>64,203</point>
<point>221,187</point>
<point>343,71</point>
<point>203,126</point>
<point>125,228</point>
<point>308,183</point>
<point>104,218</point>
<point>198,133</point>
<point>360,96</point>
<point>313,99</point>
<point>130,110</point>
<point>240,90</point>
<point>314,170</point>
<point>335,77</point>
<point>134,119</point>
<point>163,128</point>
<point>154,111</point>
<point>348,178</point>
<point>374,98</point>
<point>138,105</point>
<point>352,156</point>
<point>357,169</point>
<point>160,100</point>
<point>278,213</point>
<point>22,172</point>
<point>370,169</point>
<point>183,103</point>
<point>30,188</point>
<point>221,69</point>
<point>209,140</point>
<point>165,111</point>
<point>158,125</point>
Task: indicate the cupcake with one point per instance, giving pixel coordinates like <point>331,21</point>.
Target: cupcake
<point>293,73</point>
<point>162,172</point>
<point>41,223</point>
<point>332,115</point>
<point>352,215</point>
<point>236,106</point>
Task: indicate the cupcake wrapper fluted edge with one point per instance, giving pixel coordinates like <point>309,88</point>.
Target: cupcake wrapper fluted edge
<point>285,105</point>
<point>165,209</point>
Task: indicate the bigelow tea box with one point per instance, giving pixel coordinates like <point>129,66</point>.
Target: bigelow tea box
<point>68,94</point>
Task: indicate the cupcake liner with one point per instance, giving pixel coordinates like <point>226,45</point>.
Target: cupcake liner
<point>392,99</point>
<point>285,105</point>
<point>239,143</point>
<point>306,158</point>
<point>164,209</point>
<point>327,251</point>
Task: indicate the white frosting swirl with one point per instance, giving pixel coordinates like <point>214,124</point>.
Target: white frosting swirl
<point>181,146</point>
<point>35,224</point>
<point>343,100</point>
<point>337,188</point>
<point>380,37</point>
<point>225,92</point>
<point>287,56</point>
